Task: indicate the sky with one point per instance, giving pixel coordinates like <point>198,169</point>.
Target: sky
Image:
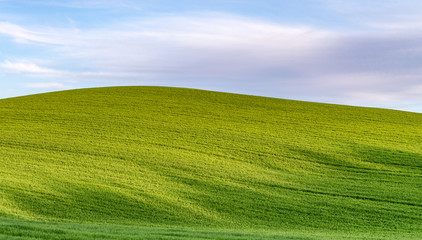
<point>355,52</point>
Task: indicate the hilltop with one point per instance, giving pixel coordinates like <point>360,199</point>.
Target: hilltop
<point>184,158</point>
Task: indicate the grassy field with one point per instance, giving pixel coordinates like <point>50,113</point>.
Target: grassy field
<point>19,229</point>
<point>150,161</point>
<point>13,229</point>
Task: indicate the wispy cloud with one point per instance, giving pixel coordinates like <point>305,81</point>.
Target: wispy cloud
<point>196,46</point>
<point>20,34</point>
<point>33,69</point>
<point>27,67</point>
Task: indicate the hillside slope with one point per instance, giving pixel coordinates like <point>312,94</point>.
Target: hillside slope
<point>183,157</point>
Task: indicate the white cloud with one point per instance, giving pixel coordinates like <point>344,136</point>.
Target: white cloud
<point>42,35</point>
<point>27,67</point>
<point>215,45</point>
<point>196,46</point>
<point>21,34</point>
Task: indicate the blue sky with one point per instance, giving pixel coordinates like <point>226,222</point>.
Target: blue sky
<point>366,53</point>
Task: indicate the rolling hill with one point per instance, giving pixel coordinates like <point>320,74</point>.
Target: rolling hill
<point>158,159</point>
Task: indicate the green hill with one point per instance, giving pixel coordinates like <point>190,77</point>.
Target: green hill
<point>159,158</point>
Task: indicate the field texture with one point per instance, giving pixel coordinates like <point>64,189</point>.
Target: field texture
<point>197,162</point>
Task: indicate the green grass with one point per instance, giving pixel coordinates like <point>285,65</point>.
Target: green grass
<point>13,229</point>
<point>153,158</point>
<point>19,229</point>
